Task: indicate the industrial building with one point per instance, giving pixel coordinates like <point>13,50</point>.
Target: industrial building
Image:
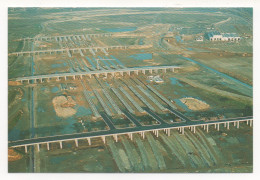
<point>217,36</point>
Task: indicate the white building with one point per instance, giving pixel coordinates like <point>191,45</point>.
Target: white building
<point>217,36</point>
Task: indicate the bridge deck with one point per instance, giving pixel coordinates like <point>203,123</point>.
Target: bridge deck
<point>110,132</point>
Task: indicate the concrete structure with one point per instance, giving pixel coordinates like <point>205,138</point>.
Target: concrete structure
<point>66,50</point>
<point>96,73</point>
<point>180,126</point>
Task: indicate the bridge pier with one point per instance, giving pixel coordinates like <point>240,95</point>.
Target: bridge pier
<point>128,72</point>
<point>150,71</point>
<point>103,139</point>
<point>74,77</point>
<point>234,123</point>
<point>183,130</point>
<point>143,71</point>
<point>48,146</point>
<point>136,72</point>
<point>25,148</point>
<point>194,129</point>
<point>218,127</point>
<point>89,141</point>
<point>238,124</point>
<point>97,75</point>
<point>65,78</point>
<point>48,80</point>
<point>130,136</point>
<point>61,144</point>
<point>164,70</point>
<point>115,138</point>
<point>228,125</point>
<point>142,134</point>
<point>172,69</point>
<point>38,147</point>
<point>41,80</point>
<point>122,73</point>
<point>168,132</point>
<point>251,122</point>
<point>80,76</point>
<point>76,143</point>
<point>58,79</point>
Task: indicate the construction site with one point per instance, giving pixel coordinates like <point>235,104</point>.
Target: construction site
<point>117,94</point>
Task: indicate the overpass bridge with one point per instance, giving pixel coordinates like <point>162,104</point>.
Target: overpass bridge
<point>96,48</point>
<point>97,73</point>
<point>181,126</point>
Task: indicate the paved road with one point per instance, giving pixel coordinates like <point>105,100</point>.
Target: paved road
<point>119,131</point>
<point>155,116</point>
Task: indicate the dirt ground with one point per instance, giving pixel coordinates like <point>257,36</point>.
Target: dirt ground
<point>13,155</point>
<point>195,104</point>
<point>64,106</point>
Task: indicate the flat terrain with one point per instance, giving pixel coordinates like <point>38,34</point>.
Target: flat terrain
<point>214,82</point>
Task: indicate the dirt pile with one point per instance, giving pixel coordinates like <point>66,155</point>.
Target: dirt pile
<point>63,106</point>
<point>14,83</point>
<point>195,104</point>
<point>13,156</point>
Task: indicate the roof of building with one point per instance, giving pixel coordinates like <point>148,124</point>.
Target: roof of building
<point>213,33</point>
<point>229,35</point>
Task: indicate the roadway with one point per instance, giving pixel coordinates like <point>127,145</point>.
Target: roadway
<point>119,131</point>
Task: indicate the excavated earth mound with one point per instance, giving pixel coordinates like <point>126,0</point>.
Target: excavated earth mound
<point>63,106</point>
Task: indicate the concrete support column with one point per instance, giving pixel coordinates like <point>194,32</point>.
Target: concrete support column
<point>80,76</point>
<point>76,143</point>
<point>104,139</point>
<point>182,130</point>
<point>247,122</point>
<point>207,128</point>
<point>38,147</point>
<point>156,133</point>
<point>168,132</point>
<point>48,146</point>
<point>113,74</point>
<point>156,71</point>
<point>238,124</point>
<point>251,123</point>
<point>228,125</point>
<point>218,127</point>
<point>65,78</point>
<point>122,73</point>
<point>61,144</point>
<point>136,72</point>
<point>225,124</point>
<point>41,80</point>
<point>25,148</point>
<point>97,75</point>
<point>194,129</point>
<point>172,69</point>
<point>128,72</point>
<point>115,138</point>
<point>130,136</point>
<point>89,141</point>
<point>74,77</point>
<point>204,127</point>
<point>35,81</point>
<point>48,80</point>
<point>164,70</point>
<point>58,79</point>
<point>143,135</point>
<point>143,71</point>
<point>28,81</point>
<point>150,71</point>
<point>215,125</point>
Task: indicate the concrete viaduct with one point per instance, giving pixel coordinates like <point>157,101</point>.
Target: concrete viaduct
<point>66,50</point>
<point>180,126</point>
<point>65,36</point>
<point>97,73</point>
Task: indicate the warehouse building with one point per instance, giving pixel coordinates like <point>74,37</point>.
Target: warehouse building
<point>217,36</point>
